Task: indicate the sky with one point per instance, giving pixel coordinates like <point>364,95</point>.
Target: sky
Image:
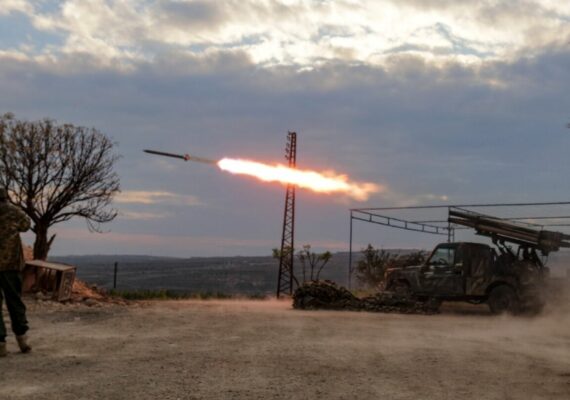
<point>436,101</point>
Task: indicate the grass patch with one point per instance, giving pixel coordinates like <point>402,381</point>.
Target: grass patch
<point>162,294</point>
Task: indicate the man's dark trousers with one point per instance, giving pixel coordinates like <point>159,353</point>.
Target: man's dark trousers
<point>11,291</point>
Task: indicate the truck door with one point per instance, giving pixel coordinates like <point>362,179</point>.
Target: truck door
<point>442,275</point>
<point>479,270</point>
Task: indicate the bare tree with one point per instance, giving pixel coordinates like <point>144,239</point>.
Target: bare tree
<point>313,262</point>
<point>371,268</point>
<point>57,172</point>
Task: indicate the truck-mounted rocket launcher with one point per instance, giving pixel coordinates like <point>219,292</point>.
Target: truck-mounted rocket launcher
<point>500,230</point>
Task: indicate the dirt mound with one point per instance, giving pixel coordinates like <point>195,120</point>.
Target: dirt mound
<point>92,295</point>
<point>82,291</point>
<point>327,295</point>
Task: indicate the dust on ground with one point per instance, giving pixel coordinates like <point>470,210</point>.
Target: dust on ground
<point>266,350</point>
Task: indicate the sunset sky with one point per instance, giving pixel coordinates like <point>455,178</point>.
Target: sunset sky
<point>435,101</point>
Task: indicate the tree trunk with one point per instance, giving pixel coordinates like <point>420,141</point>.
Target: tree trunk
<point>42,244</point>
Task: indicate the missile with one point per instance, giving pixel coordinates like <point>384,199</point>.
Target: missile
<point>185,157</point>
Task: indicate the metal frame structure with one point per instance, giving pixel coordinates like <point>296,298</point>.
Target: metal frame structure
<point>442,227</point>
<point>286,278</point>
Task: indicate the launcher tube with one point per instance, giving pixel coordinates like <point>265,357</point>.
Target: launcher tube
<point>545,241</point>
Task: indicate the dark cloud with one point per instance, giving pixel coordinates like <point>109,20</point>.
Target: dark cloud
<point>508,12</point>
<point>191,15</point>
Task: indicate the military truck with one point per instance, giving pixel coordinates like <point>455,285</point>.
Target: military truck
<point>508,280</point>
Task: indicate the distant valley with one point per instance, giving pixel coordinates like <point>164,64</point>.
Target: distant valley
<point>230,275</point>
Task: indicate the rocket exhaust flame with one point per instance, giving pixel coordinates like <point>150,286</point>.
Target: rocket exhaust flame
<point>319,182</point>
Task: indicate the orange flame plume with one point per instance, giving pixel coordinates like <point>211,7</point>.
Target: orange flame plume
<point>312,180</point>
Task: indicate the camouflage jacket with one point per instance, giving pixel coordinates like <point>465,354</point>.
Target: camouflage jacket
<point>12,222</point>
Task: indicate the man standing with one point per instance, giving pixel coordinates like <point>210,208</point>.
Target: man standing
<point>12,222</point>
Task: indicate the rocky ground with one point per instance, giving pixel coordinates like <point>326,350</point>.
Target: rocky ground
<point>266,350</point>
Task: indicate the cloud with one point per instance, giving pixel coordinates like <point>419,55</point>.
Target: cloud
<point>184,16</point>
<point>403,200</point>
<point>10,6</point>
<point>141,216</point>
<point>127,34</point>
<point>155,197</point>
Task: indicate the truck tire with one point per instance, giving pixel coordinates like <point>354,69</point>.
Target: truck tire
<point>503,299</point>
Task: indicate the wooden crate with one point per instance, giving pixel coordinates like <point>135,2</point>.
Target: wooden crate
<point>49,277</point>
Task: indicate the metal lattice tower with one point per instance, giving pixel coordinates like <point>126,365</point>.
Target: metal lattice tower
<point>286,277</point>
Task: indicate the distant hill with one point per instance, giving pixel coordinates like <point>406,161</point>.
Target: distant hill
<point>244,275</point>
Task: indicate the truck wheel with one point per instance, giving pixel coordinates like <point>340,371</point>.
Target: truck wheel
<point>503,299</point>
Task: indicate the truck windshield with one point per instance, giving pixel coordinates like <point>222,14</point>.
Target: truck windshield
<point>442,256</point>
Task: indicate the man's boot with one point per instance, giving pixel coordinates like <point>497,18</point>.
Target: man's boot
<point>3,351</point>
<point>23,343</point>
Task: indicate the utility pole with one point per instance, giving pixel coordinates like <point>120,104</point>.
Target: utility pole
<point>286,278</point>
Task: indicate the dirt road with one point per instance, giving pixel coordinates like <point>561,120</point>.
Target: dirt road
<point>266,350</point>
